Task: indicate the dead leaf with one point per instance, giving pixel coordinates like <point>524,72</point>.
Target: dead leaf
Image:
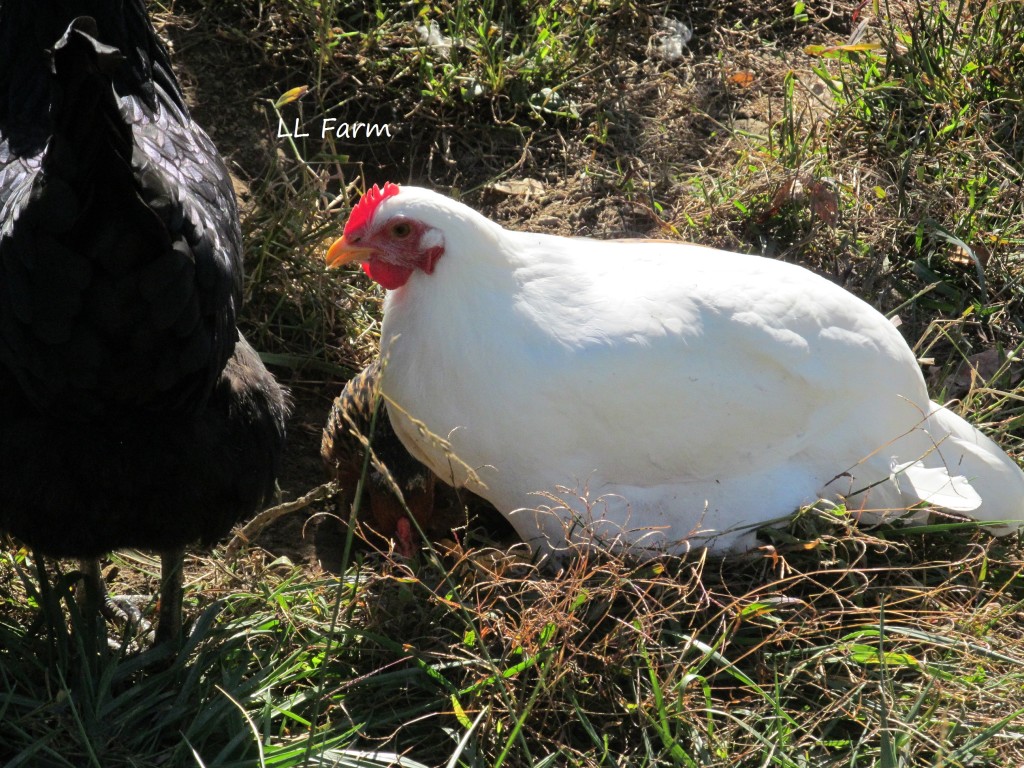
<point>787,192</point>
<point>293,94</point>
<point>519,187</point>
<point>977,370</point>
<point>824,202</point>
<point>743,79</point>
<point>822,199</point>
<point>962,256</point>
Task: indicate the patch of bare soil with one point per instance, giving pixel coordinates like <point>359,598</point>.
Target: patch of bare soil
<point>227,86</point>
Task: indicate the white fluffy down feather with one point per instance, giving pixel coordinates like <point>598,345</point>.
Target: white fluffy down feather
<point>652,395</point>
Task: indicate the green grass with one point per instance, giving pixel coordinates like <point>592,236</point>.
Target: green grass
<point>846,649</point>
<point>888,157</point>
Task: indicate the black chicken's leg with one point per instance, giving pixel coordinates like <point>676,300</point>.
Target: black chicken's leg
<point>172,563</point>
<point>97,599</point>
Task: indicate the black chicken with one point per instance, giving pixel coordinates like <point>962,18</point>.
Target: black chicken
<point>132,412</point>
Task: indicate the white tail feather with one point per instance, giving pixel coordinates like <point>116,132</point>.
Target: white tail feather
<point>981,468</point>
<point>935,486</point>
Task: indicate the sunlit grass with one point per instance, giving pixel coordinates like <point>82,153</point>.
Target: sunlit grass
<point>812,652</point>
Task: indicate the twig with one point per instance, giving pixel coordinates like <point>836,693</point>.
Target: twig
<point>250,530</point>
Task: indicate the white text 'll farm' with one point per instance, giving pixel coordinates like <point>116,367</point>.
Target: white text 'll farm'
<point>340,130</point>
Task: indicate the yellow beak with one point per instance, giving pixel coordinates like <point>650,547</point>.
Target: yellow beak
<point>342,252</point>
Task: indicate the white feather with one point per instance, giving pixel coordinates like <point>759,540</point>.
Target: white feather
<point>664,395</point>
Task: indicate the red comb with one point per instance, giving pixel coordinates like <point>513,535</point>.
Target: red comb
<point>363,210</point>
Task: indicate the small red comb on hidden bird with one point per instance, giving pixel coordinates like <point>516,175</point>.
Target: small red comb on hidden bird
<point>363,210</point>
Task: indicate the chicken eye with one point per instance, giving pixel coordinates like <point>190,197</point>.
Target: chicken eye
<point>401,229</point>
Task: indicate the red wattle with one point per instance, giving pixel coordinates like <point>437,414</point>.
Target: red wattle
<point>388,275</point>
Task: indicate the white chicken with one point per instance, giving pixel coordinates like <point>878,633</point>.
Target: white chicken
<point>652,396</point>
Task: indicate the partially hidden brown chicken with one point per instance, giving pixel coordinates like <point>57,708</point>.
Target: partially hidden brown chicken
<point>396,484</point>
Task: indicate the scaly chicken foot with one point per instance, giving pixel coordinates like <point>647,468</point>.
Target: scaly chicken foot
<point>123,611</point>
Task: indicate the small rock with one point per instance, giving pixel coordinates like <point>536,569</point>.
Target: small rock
<point>669,41</point>
<point>430,35</point>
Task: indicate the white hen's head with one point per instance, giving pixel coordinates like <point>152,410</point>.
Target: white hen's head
<point>396,231</point>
